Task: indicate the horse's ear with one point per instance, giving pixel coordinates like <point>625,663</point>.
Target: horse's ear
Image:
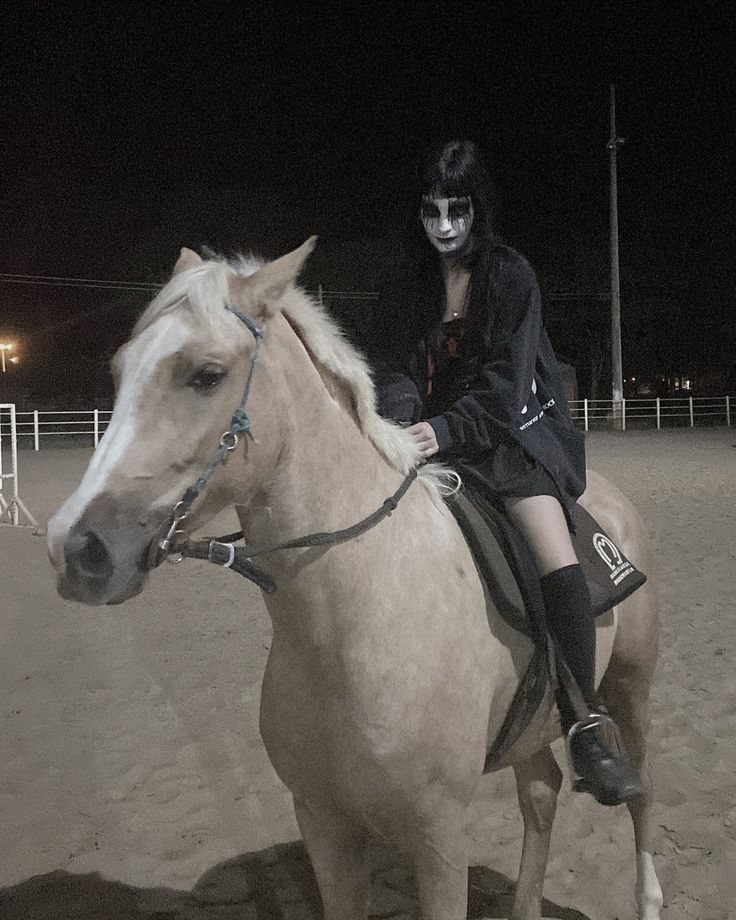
<point>264,287</point>
<point>187,259</point>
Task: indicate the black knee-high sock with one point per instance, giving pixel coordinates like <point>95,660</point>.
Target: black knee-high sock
<point>571,622</point>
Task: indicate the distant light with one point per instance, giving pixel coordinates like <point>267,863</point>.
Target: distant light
<point>14,360</point>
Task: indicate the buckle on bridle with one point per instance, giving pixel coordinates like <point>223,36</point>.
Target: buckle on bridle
<point>228,546</point>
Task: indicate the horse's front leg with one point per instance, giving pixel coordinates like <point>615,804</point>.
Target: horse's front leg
<point>338,853</point>
<point>538,782</point>
<point>441,867</point>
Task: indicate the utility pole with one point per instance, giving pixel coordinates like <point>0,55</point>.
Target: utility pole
<point>616,363</point>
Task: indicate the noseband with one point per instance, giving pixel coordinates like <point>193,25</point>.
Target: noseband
<point>171,539</point>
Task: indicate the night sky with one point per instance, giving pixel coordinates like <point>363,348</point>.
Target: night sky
<point>131,129</point>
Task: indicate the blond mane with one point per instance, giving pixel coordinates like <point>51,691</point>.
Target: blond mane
<point>203,290</point>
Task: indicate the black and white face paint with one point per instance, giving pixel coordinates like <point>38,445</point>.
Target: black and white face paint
<point>447,222</point>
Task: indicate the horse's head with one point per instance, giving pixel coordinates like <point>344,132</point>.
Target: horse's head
<point>179,379</point>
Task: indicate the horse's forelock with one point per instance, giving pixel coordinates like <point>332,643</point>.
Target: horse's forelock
<point>203,290</point>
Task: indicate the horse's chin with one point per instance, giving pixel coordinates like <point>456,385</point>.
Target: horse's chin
<point>93,593</point>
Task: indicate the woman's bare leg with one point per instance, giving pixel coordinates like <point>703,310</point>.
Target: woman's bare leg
<point>542,522</point>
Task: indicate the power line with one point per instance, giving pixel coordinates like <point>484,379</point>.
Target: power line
<point>106,284</point>
<point>109,284</point>
<point>56,281</point>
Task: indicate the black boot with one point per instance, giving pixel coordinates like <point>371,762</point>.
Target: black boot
<point>598,769</point>
<point>601,770</point>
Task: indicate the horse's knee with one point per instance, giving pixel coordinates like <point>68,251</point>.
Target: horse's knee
<point>539,804</point>
<point>538,791</point>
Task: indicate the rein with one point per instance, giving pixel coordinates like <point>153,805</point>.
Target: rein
<point>171,539</point>
<point>223,551</point>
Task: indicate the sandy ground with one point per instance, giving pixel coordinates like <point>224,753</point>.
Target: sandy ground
<point>133,782</point>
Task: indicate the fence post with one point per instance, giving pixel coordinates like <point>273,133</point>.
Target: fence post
<point>15,507</point>
<point>97,427</point>
<point>585,412</point>
<point>692,414</point>
<point>623,415</point>
<point>659,417</point>
<point>728,411</point>
<point>36,439</point>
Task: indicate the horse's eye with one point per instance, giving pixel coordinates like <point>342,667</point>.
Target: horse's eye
<point>207,377</point>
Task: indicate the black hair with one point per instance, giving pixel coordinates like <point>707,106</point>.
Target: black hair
<point>412,303</point>
<point>457,169</point>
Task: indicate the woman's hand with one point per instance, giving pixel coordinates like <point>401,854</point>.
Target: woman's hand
<point>425,439</point>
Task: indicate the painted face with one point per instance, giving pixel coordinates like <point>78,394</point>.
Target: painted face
<point>447,222</point>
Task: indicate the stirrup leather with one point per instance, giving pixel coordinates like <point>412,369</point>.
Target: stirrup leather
<point>609,735</point>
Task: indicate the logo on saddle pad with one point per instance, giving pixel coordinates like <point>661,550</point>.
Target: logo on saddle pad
<point>611,555</point>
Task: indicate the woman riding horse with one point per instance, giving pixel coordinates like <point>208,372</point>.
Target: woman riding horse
<point>463,360</point>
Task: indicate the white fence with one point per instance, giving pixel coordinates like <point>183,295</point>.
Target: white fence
<point>39,427</point>
<point>678,411</point>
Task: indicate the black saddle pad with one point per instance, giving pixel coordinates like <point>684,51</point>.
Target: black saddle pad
<point>507,566</point>
<point>511,585</point>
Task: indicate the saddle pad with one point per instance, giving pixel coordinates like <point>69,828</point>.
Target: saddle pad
<point>506,563</point>
<point>512,589</point>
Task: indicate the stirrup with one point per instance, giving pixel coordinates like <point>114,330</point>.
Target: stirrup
<point>609,735</point>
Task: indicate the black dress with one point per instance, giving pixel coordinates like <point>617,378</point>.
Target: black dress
<point>497,406</point>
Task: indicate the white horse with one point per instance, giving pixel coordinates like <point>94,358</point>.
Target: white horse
<point>384,686</point>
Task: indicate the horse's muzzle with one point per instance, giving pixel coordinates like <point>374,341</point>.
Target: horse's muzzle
<point>105,556</point>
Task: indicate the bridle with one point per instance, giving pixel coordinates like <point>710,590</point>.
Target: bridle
<point>173,543</point>
<point>240,424</point>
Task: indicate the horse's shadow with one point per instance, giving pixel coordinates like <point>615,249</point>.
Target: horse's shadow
<point>274,884</point>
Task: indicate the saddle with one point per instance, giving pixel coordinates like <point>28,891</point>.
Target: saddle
<point>512,588</point>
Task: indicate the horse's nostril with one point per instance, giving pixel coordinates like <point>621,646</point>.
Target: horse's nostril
<point>93,557</point>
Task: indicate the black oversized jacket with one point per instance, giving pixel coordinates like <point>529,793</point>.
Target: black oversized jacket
<point>512,390</point>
